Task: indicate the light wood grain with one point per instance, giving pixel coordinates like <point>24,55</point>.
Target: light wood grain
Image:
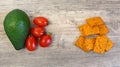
<point>64,16</point>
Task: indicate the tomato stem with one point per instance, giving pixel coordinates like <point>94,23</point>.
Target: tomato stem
<point>50,33</point>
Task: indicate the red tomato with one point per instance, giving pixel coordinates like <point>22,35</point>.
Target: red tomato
<point>31,44</point>
<point>40,21</point>
<point>45,40</point>
<point>37,31</point>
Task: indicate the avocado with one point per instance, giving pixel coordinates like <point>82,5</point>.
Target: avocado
<point>16,26</point>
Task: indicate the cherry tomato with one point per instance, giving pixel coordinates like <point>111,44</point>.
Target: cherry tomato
<point>40,21</point>
<point>31,44</point>
<point>37,31</point>
<point>45,40</point>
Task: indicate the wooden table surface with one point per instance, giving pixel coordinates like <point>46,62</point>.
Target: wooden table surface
<point>64,16</point>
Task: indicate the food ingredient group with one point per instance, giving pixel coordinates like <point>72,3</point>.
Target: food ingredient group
<point>17,28</point>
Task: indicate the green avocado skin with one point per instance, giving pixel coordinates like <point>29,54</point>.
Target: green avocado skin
<point>16,26</point>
